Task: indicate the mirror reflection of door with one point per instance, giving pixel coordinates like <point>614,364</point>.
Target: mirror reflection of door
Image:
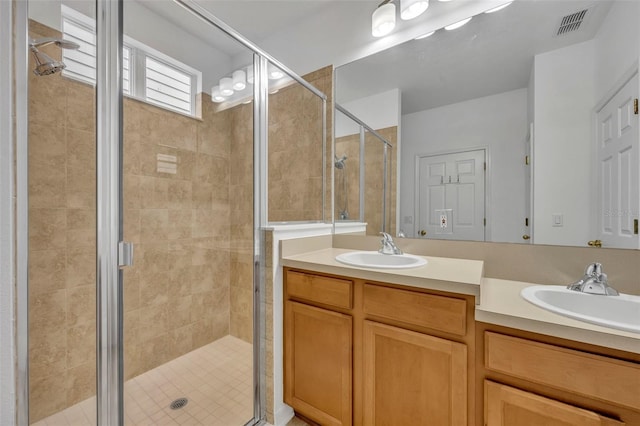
<point>451,196</point>
<point>618,157</point>
<point>527,223</point>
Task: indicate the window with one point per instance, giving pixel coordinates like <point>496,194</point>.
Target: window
<point>147,74</point>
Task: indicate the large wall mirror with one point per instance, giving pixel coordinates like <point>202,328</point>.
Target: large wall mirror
<point>521,126</point>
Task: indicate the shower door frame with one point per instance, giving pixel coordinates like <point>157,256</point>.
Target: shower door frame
<point>109,192</point>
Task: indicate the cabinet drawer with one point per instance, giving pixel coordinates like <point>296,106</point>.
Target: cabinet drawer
<point>505,405</point>
<point>594,376</point>
<point>442,313</point>
<point>320,289</point>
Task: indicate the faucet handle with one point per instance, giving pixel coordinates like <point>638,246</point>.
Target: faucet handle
<point>594,269</point>
<point>386,237</point>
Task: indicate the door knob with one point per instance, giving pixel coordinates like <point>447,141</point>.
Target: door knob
<point>525,237</point>
<point>595,243</point>
<point>423,232</point>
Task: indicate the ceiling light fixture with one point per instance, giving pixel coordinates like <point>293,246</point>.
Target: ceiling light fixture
<point>495,9</point>
<point>274,72</point>
<point>457,24</point>
<point>410,9</point>
<point>226,86</point>
<point>216,96</point>
<point>383,20</point>
<point>239,79</point>
<point>425,35</point>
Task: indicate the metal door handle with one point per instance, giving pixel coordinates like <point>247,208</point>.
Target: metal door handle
<point>595,243</point>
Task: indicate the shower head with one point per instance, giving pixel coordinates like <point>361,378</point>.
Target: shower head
<point>46,65</point>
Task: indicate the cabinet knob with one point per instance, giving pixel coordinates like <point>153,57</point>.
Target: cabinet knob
<point>423,232</point>
<point>525,237</point>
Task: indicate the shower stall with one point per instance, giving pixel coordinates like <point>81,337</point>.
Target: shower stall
<point>364,173</point>
<point>155,164</point>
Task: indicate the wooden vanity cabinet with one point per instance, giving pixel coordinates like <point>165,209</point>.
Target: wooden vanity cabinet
<point>530,379</point>
<point>409,352</point>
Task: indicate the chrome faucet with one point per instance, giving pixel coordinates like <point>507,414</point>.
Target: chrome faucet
<point>387,246</point>
<point>594,281</point>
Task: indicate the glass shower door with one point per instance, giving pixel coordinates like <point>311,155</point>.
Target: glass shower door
<point>188,210</point>
<point>61,216</point>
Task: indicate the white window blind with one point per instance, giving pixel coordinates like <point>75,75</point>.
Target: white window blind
<point>147,74</point>
<point>81,63</point>
<point>168,86</point>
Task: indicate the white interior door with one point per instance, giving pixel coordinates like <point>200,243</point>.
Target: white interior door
<point>618,162</point>
<point>451,196</point>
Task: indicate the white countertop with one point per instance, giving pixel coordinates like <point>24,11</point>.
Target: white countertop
<point>501,304</point>
<point>444,274</point>
<point>499,301</point>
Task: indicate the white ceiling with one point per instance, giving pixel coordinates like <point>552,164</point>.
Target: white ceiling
<point>492,54</point>
<point>254,19</point>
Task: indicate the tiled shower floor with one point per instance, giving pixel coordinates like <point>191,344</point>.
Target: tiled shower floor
<point>216,378</point>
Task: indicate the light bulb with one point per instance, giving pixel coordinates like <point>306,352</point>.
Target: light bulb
<point>239,80</point>
<point>383,20</point>
<point>226,86</point>
<point>458,24</point>
<point>425,35</point>
<point>410,9</point>
<point>275,72</point>
<point>250,74</point>
<point>216,96</point>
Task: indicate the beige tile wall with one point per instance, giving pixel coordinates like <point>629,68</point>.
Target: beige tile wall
<point>374,159</point>
<point>61,240</point>
<point>295,179</point>
<point>296,149</point>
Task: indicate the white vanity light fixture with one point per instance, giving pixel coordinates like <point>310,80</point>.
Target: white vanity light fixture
<point>226,86</point>
<point>383,20</point>
<point>216,96</point>
<point>495,9</point>
<point>275,73</point>
<point>410,9</point>
<point>239,79</point>
<point>458,24</point>
<point>425,35</point>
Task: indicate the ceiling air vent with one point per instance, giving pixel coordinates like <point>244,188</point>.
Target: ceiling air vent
<point>571,22</point>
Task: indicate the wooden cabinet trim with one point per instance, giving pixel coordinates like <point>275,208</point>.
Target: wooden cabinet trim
<point>320,289</point>
<point>606,379</point>
<point>500,400</point>
<point>442,313</point>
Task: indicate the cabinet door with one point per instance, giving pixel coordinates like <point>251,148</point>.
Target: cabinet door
<point>507,406</point>
<point>412,378</point>
<point>318,363</point>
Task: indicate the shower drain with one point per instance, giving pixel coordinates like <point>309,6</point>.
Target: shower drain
<point>178,403</point>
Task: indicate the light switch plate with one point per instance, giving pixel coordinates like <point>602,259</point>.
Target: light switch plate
<point>557,220</point>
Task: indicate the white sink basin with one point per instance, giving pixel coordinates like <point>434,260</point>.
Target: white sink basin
<point>373,259</point>
<point>621,312</point>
